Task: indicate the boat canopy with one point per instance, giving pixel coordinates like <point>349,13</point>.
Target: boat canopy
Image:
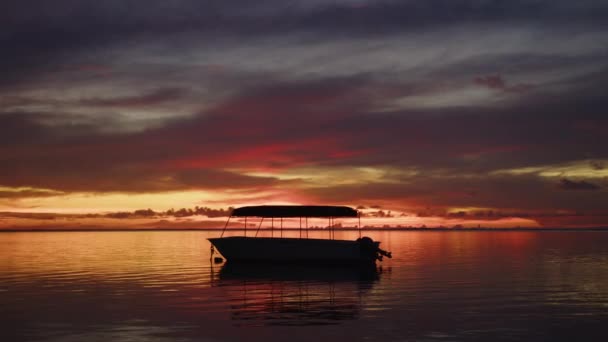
<point>294,211</point>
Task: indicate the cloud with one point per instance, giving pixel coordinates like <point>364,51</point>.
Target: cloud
<point>566,184</point>
<point>325,123</point>
<point>597,165</point>
<point>182,212</point>
<point>576,221</point>
<point>83,33</point>
<point>14,193</point>
<point>26,215</point>
<point>440,192</point>
<point>153,98</point>
<point>498,83</point>
<point>492,81</point>
<point>21,128</point>
<point>277,97</point>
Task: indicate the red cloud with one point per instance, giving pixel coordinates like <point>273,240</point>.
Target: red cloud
<point>270,129</point>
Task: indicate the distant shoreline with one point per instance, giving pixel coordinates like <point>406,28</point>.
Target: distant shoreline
<point>34,230</point>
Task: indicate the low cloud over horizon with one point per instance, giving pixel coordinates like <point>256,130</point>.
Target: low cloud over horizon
<point>428,109</point>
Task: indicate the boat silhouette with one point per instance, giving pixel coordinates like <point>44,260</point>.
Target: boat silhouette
<point>299,250</point>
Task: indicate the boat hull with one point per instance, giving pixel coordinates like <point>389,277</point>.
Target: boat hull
<point>293,250</point>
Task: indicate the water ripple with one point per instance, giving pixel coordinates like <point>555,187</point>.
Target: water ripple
<point>126,286</point>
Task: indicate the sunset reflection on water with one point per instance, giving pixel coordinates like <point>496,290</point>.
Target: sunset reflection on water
<point>62,286</point>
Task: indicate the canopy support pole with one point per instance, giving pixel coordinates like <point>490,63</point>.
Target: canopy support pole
<point>256,232</point>
<point>359,217</point>
<point>225,226</point>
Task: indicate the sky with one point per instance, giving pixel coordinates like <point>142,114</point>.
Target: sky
<point>461,112</point>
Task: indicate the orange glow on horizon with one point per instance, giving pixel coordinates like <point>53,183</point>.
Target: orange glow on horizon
<point>93,210</point>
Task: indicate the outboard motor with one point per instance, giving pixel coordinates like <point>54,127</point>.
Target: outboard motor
<point>369,249</point>
<point>382,252</point>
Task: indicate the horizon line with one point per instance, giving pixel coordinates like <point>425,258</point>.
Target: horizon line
<point>446,229</point>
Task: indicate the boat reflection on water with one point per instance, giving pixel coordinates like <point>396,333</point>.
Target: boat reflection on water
<point>251,271</point>
<point>296,295</point>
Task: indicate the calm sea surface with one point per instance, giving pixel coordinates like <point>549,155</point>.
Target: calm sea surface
<point>446,286</point>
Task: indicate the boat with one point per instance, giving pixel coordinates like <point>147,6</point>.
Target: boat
<point>293,250</point>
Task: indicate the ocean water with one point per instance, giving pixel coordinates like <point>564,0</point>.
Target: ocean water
<point>439,286</point>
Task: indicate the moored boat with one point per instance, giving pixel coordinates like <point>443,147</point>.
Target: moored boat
<point>301,249</point>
